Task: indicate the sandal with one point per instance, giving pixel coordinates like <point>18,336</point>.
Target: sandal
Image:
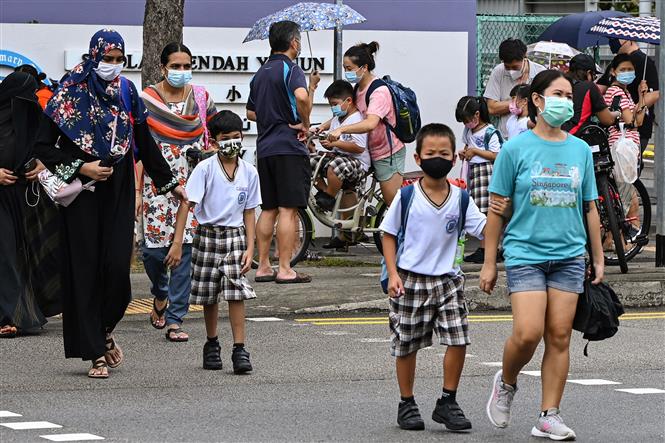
<point>111,346</point>
<point>8,331</point>
<point>96,371</point>
<point>172,335</point>
<point>299,278</point>
<point>159,313</point>
<point>265,278</point>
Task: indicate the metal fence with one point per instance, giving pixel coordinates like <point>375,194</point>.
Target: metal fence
<point>493,29</point>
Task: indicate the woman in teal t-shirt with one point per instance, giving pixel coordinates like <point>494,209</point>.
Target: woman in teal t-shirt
<point>549,176</point>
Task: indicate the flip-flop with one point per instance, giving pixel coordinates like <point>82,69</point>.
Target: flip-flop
<point>100,363</point>
<point>266,278</point>
<point>175,338</point>
<point>110,346</point>
<point>300,278</point>
<point>160,314</point>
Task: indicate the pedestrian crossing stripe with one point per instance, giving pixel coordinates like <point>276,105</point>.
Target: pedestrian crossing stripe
<point>72,437</point>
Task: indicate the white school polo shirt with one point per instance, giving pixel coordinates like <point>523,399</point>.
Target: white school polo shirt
<point>219,200</point>
<point>430,241</point>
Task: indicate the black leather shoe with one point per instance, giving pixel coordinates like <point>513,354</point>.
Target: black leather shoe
<point>450,414</point>
<point>211,355</point>
<point>408,416</point>
<point>241,363</point>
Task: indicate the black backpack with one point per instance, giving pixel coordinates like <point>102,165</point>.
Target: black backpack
<point>598,307</point>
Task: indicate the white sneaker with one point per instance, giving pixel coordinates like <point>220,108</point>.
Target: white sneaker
<point>552,426</point>
<point>501,398</point>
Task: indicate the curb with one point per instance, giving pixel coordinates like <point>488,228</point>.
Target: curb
<point>632,294</point>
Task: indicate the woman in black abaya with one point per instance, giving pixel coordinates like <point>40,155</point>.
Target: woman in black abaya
<point>30,279</point>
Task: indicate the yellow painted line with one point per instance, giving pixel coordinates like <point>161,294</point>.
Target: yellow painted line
<point>339,321</point>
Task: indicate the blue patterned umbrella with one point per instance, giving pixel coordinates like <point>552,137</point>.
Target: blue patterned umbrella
<point>639,29</point>
<point>310,17</point>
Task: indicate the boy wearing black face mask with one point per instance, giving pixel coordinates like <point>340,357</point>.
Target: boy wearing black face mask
<point>426,284</point>
<point>224,190</point>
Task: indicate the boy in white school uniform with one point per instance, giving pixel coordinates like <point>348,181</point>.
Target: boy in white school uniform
<point>224,190</point>
<point>426,284</point>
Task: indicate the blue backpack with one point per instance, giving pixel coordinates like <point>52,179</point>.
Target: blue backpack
<point>407,113</point>
<point>406,198</point>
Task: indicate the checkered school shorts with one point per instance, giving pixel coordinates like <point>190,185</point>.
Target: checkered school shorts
<point>430,303</point>
<point>216,265</point>
<point>479,183</point>
<point>347,169</point>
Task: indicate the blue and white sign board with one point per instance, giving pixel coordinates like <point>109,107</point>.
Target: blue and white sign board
<point>13,60</point>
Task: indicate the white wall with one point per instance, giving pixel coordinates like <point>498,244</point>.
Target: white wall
<point>433,64</point>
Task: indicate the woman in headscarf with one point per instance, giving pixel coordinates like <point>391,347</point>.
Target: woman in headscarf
<point>29,275</point>
<point>177,116</point>
<point>94,118</point>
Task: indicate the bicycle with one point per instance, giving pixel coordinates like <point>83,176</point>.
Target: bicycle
<point>364,216</point>
<point>628,233</point>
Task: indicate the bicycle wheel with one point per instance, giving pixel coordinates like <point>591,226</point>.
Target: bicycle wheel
<point>609,206</point>
<point>378,235</point>
<point>304,232</point>
<point>638,220</point>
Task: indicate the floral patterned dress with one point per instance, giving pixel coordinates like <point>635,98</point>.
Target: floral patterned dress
<point>159,211</point>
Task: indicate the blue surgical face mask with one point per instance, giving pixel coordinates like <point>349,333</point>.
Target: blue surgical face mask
<point>626,78</point>
<point>178,79</point>
<point>338,112</point>
<point>557,111</point>
<point>352,76</point>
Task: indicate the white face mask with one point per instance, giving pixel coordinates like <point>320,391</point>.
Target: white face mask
<point>515,75</point>
<point>108,71</point>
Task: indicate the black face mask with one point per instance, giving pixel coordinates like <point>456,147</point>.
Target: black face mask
<point>436,167</point>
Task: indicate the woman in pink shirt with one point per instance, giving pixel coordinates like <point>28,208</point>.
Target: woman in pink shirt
<point>387,155</point>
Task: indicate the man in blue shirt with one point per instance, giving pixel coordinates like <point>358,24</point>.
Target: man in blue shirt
<point>280,102</point>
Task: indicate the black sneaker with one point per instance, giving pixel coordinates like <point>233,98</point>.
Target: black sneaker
<point>408,416</point>
<point>476,257</point>
<point>450,414</point>
<point>211,355</point>
<point>324,201</point>
<point>241,363</point>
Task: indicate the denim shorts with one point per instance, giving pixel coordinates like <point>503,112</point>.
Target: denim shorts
<point>384,169</point>
<point>565,275</point>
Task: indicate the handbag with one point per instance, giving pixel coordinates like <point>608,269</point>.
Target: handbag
<point>63,193</point>
<point>598,307</point>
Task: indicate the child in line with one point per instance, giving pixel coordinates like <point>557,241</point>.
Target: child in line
<point>224,190</point>
<point>426,287</point>
<point>482,143</point>
<point>519,121</point>
<point>350,157</point>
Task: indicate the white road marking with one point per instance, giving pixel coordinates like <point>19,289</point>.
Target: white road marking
<point>72,437</point>
<point>494,364</point>
<point>375,340</point>
<point>7,414</point>
<point>642,391</point>
<point>532,373</point>
<point>259,319</point>
<point>23,425</point>
<point>594,382</point>
<point>370,275</point>
<point>469,355</point>
<point>336,333</point>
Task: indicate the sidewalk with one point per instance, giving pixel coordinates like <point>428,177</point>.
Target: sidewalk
<point>350,282</point>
